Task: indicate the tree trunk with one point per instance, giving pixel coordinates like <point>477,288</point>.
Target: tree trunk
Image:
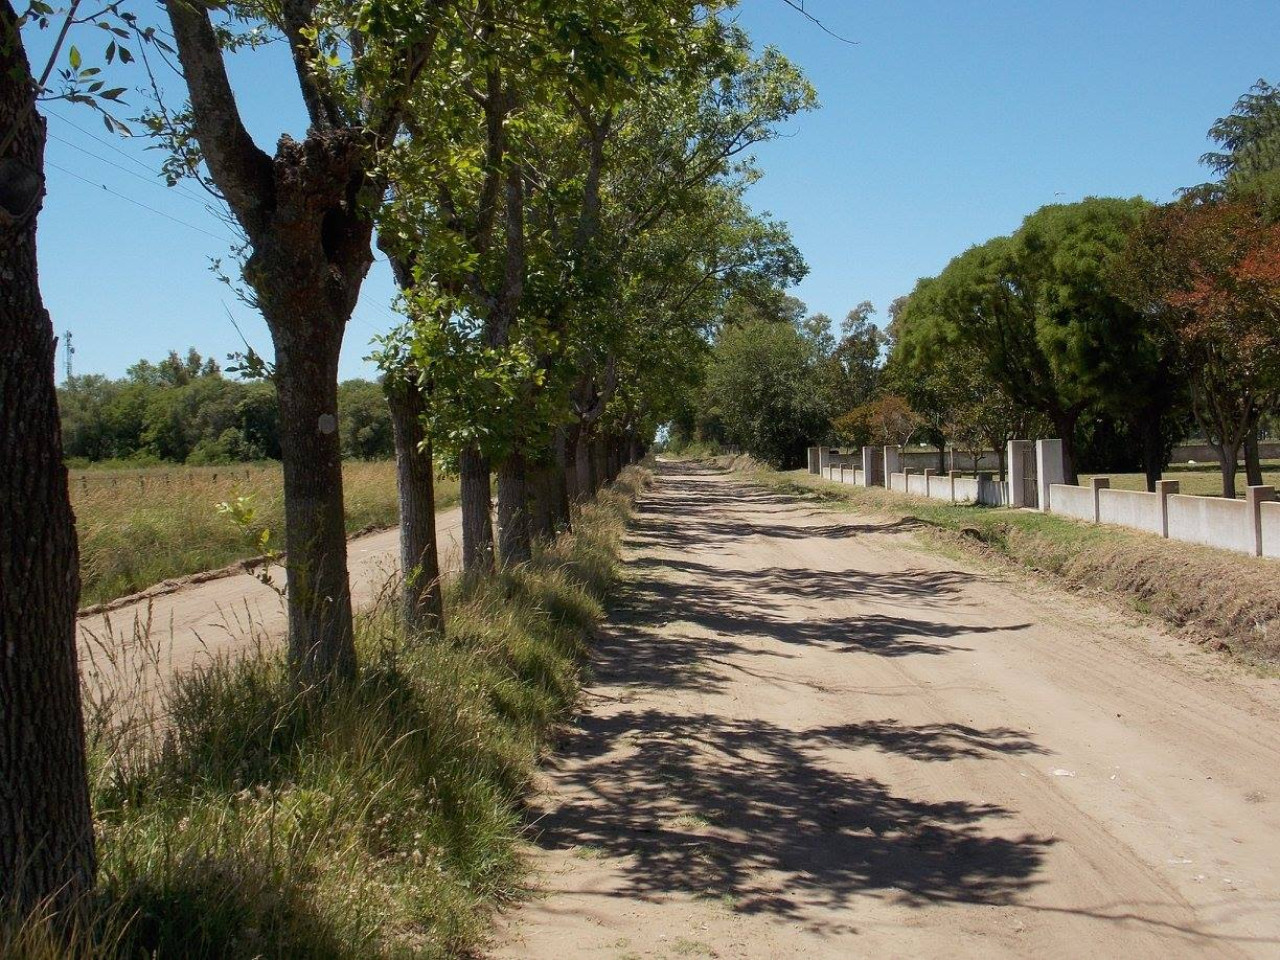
<point>562,491</point>
<point>1252,460</point>
<point>1228,459</point>
<point>599,463</point>
<point>514,539</point>
<point>46,831</point>
<point>477,523</point>
<point>542,520</point>
<point>584,465</point>
<point>1152,429</point>
<point>567,455</point>
<point>423,601</point>
<point>321,638</point>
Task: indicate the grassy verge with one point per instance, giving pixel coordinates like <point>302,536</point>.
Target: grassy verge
<point>141,527</point>
<point>380,822</point>
<point>1230,601</point>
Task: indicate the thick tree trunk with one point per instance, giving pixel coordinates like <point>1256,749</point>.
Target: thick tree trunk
<point>542,519</point>
<point>567,454</point>
<point>46,831</point>
<point>477,522</point>
<point>514,538</point>
<point>423,601</point>
<point>1252,460</point>
<point>321,638</point>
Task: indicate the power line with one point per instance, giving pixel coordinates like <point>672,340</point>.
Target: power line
<point>115,149</point>
<point>123,169</point>
<point>139,203</point>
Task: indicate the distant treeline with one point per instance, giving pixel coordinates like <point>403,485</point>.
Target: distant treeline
<point>184,410</point>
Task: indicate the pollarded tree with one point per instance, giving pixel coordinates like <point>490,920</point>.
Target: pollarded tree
<point>305,213</point>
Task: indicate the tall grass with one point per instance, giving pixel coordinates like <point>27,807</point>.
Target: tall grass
<point>251,820</point>
<point>140,527</point>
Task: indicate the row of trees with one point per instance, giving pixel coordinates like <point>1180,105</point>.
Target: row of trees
<point>559,188</point>
<point>184,410</point>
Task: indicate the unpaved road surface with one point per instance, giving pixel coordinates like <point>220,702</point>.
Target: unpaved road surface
<point>810,737</point>
<point>219,617</point>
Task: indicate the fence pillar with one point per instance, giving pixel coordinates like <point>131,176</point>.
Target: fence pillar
<point>906,479</point>
<point>1051,468</point>
<point>824,460</point>
<point>813,459</point>
<point>1254,497</point>
<point>868,466</point>
<point>928,475</point>
<point>892,463</point>
<point>1019,450</point>
<point>1097,484</point>
<point>951,476</point>
<point>1165,489</point>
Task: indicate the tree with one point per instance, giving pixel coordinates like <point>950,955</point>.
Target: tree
<point>850,373</point>
<point>760,385</point>
<point>1210,273</point>
<point>1038,309</point>
<point>46,829</point>
<point>887,421</point>
<point>307,226</point>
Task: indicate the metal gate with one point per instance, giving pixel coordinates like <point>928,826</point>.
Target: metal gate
<point>1030,482</point>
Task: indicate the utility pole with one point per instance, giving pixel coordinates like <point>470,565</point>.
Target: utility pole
<point>70,352</point>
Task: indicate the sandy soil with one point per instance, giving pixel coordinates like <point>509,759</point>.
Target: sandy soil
<point>219,617</point>
<point>810,736</point>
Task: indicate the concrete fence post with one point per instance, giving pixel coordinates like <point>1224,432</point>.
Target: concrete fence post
<point>951,476</point>
<point>824,460</point>
<point>1164,490</point>
<point>1097,484</point>
<point>1051,468</point>
<point>1019,450</point>
<point>868,466</point>
<point>813,460</point>
<point>892,464</point>
<point>1254,498</point>
<point>906,479</point>
<point>928,475</point>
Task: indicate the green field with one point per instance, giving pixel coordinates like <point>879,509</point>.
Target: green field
<point>139,527</point>
<point>1200,480</point>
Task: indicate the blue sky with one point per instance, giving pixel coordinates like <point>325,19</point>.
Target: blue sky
<point>947,123</point>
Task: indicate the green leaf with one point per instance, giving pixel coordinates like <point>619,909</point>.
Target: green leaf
<point>73,56</point>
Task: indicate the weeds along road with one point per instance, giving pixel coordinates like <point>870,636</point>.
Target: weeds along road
<point>809,736</point>
<point>132,648</point>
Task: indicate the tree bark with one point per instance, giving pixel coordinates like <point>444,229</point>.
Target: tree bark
<point>514,533</point>
<point>422,598</point>
<point>46,830</point>
<point>477,522</point>
<point>599,463</point>
<point>562,491</point>
<point>321,636</point>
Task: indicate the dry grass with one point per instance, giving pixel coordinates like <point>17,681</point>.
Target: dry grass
<point>139,527</point>
<point>242,819</point>
<point>1230,601</point>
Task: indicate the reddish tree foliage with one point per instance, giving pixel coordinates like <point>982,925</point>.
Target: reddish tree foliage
<point>1211,273</point>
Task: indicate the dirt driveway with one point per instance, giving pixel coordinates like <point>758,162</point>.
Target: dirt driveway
<point>809,737</point>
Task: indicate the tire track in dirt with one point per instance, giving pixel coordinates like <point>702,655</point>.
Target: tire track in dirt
<point>807,736</point>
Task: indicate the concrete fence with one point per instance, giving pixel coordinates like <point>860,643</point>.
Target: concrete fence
<point>1036,474</point>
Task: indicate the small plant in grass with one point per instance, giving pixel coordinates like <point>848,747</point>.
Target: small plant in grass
<point>243,515</point>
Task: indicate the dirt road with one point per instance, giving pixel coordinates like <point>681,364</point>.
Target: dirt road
<point>208,619</point>
<point>810,737</point>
